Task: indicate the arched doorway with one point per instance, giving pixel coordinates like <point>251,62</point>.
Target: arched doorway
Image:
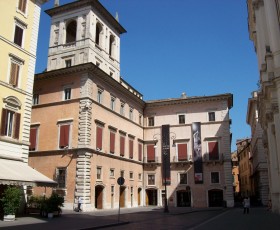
<point>122,196</point>
<point>215,198</point>
<point>99,197</point>
<point>151,197</point>
<point>139,196</point>
<point>183,198</point>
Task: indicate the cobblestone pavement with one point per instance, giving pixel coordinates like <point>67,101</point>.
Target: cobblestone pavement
<point>153,217</point>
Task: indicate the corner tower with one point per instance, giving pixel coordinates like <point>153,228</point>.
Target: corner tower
<point>81,32</point>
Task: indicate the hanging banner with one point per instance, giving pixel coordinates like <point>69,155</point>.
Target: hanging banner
<point>165,156</point>
<point>197,154</point>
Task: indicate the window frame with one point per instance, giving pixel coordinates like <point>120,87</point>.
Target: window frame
<point>19,27</point>
<point>22,4</point>
<point>180,117</point>
<point>99,97</point>
<point>213,178</point>
<point>149,176</point>
<point>10,123</point>
<point>151,121</point>
<point>212,116</point>
<point>180,179</point>
<point>60,124</point>
<point>98,175</point>
<point>67,93</point>
<point>36,138</point>
<point>35,99</point>
<point>57,177</point>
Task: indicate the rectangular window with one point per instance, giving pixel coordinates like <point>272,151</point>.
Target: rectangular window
<point>68,63</point>
<point>14,74</point>
<point>151,179</point>
<point>10,123</point>
<point>33,139</point>
<point>113,102</point>
<point>112,172</point>
<point>35,99</point>
<point>112,189</point>
<point>131,114</point>
<point>140,119</point>
<point>18,38</point>
<point>183,178</point>
<point>67,94</point>
<point>61,177</point>
<point>151,153</point>
<point>181,119</point>
<point>215,177</point>
<point>99,132</point>
<point>182,152</point>
<point>22,5</point>
<point>112,142</point>
<point>99,96</point>
<point>64,132</point>
<point>122,145</point>
<point>140,176</point>
<point>140,152</point>
<point>122,173</point>
<point>211,116</point>
<point>122,109</point>
<point>151,121</point>
<point>98,173</point>
<point>131,175</point>
<point>131,149</point>
<point>213,149</point>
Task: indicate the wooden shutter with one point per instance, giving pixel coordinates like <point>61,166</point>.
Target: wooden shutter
<point>182,152</point>
<point>3,121</point>
<point>150,153</point>
<point>140,152</point>
<point>131,149</point>
<point>18,35</point>
<point>213,148</point>
<point>16,126</point>
<point>112,142</point>
<point>33,139</point>
<point>122,145</point>
<point>14,73</point>
<point>64,136</point>
<point>99,131</point>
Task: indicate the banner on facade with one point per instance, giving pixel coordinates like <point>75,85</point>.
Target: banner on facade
<point>165,154</point>
<point>197,153</point>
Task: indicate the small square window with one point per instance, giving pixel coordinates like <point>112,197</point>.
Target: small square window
<point>211,116</point>
<point>183,178</point>
<point>151,179</point>
<point>215,177</point>
<point>139,176</point>
<point>67,94</point>
<point>151,121</point>
<point>68,63</point>
<point>181,119</point>
<point>112,172</point>
<point>130,175</point>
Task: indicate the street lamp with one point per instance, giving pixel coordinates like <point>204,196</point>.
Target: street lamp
<point>165,152</point>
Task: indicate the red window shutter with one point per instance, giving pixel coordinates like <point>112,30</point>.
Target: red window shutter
<point>33,139</point>
<point>131,149</point>
<point>99,131</point>
<point>122,145</point>
<point>3,122</point>
<point>64,136</point>
<point>14,73</point>
<point>182,152</point>
<point>151,153</point>
<point>139,152</point>
<point>112,142</point>
<point>213,148</point>
<point>18,36</point>
<point>16,126</point>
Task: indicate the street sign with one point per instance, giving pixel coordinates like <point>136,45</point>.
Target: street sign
<point>120,181</point>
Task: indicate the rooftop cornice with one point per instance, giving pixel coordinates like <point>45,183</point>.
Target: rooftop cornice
<point>188,100</point>
<point>84,3</point>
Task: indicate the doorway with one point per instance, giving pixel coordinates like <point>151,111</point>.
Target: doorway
<point>99,197</point>
<point>151,197</point>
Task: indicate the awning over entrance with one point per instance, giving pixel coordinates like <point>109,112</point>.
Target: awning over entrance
<point>14,172</point>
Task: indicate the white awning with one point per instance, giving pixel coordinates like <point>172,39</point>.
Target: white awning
<point>14,172</point>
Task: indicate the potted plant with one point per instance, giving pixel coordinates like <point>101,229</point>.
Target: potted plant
<point>54,204</point>
<point>11,202</point>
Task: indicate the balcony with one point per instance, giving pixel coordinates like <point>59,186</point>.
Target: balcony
<point>181,162</point>
<point>208,160</point>
<point>151,163</point>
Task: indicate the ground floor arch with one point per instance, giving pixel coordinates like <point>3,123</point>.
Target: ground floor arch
<point>215,198</point>
<point>151,197</point>
<point>183,198</point>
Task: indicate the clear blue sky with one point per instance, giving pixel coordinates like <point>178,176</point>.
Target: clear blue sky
<point>174,46</point>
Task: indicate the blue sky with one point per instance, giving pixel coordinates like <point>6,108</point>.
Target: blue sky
<point>174,46</point>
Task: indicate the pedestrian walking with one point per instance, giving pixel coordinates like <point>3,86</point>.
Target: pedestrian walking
<point>79,204</point>
<point>246,205</point>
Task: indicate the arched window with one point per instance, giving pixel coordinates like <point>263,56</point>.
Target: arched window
<point>71,31</point>
<point>98,34</point>
<point>111,45</point>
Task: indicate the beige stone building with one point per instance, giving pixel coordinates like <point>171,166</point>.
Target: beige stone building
<point>89,127</point>
<point>235,175</point>
<point>263,20</point>
<point>18,44</point>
